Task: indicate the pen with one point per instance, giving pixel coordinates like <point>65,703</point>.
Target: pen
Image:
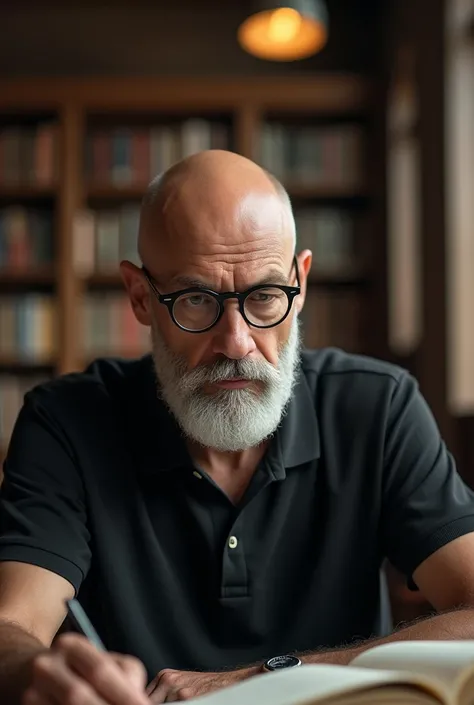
<point>82,622</point>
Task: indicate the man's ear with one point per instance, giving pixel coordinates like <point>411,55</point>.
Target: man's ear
<point>304,260</point>
<point>138,291</point>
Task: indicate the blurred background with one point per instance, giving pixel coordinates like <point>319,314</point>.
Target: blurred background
<point>363,108</point>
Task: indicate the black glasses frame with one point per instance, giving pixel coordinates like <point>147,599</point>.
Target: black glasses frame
<point>169,300</point>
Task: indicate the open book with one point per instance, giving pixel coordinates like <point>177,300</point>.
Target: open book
<point>400,673</point>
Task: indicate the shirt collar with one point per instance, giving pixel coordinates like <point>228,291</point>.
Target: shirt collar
<point>298,433</point>
<point>159,440</point>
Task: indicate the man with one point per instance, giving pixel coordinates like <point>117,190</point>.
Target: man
<point>229,499</point>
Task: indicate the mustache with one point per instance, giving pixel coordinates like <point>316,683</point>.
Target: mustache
<point>222,370</point>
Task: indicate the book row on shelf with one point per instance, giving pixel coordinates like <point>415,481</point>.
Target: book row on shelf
<point>316,156</point>
<point>101,238</point>
<point>104,237</point>
<point>127,156</point>
<point>26,237</point>
<point>106,326</point>
<point>29,155</point>
<point>330,235</point>
<point>28,325</point>
<point>109,327</point>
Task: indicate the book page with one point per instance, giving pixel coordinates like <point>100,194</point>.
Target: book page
<point>317,684</point>
<point>450,663</point>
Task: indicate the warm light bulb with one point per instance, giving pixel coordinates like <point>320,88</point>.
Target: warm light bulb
<point>284,25</point>
<point>295,31</point>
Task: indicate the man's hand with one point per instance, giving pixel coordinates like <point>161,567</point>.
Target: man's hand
<point>171,686</point>
<point>74,672</point>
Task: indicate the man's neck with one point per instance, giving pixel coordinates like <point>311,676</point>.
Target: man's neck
<point>232,471</point>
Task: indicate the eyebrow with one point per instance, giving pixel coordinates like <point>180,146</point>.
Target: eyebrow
<point>272,277</point>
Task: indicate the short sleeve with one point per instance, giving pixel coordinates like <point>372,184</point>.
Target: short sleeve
<point>42,507</point>
<point>425,503</point>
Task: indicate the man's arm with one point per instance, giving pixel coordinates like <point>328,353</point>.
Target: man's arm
<point>17,652</point>
<point>455,624</point>
<point>44,557</point>
<point>446,579</point>
<point>72,671</point>
<point>427,525</point>
<point>31,612</point>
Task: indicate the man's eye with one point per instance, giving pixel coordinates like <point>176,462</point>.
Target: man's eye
<point>195,300</point>
<point>261,297</point>
<point>266,296</point>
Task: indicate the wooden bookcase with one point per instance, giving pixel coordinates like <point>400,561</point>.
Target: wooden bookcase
<point>265,119</point>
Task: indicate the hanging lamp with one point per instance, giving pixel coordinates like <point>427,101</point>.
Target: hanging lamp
<point>285,31</point>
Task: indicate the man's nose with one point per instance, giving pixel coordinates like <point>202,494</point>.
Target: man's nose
<point>232,335</point>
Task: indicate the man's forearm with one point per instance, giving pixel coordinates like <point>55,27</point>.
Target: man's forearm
<point>17,650</point>
<point>458,624</point>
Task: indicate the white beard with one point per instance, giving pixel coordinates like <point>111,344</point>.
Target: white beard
<point>230,419</point>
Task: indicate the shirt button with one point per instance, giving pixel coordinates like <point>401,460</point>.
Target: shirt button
<point>233,542</point>
<point>198,475</point>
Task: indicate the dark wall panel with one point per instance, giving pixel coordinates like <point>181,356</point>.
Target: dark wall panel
<point>161,37</point>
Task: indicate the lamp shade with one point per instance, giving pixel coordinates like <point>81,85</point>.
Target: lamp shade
<point>285,31</point>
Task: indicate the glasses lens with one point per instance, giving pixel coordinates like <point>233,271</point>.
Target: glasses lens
<point>196,310</point>
<point>265,307</point>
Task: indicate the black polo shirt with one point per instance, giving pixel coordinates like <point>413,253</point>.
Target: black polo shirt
<point>100,489</point>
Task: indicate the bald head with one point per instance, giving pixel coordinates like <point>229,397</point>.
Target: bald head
<point>213,201</point>
<point>210,160</point>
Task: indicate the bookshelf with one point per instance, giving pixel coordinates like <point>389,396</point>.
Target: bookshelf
<point>75,158</point>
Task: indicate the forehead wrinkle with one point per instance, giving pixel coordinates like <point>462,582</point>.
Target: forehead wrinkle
<point>249,250</point>
<point>243,276</point>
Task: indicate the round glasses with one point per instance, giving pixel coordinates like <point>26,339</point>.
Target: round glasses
<point>198,309</point>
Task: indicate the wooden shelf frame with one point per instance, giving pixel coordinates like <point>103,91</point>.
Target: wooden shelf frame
<point>75,103</point>
<point>27,192</point>
<point>328,94</point>
<point>98,192</point>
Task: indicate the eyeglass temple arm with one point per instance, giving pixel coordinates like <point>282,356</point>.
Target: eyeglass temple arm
<point>295,262</point>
